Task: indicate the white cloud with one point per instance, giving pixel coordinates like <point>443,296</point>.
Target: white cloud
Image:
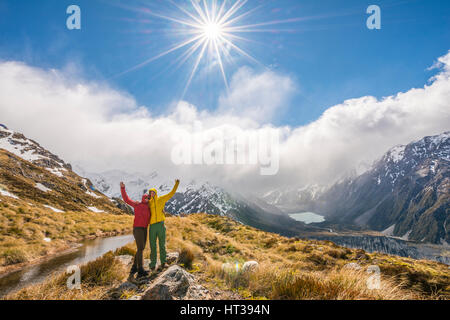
<point>102,128</point>
<point>257,96</point>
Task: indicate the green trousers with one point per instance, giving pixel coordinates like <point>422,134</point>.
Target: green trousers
<point>157,231</point>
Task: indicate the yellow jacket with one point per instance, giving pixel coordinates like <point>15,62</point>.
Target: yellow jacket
<point>157,204</point>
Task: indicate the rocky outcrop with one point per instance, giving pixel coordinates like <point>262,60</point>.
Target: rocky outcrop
<point>175,284</point>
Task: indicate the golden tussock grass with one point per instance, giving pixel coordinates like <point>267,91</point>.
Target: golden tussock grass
<point>97,277</point>
<point>289,268</point>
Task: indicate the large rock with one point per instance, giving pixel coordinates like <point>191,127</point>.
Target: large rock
<point>127,286</point>
<point>125,259</point>
<point>175,284</point>
<point>172,257</point>
<point>250,266</point>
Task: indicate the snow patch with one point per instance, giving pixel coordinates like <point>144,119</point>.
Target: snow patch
<point>94,209</point>
<point>42,187</point>
<point>57,172</point>
<point>397,153</point>
<point>92,194</point>
<point>389,231</point>
<point>7,194</point>
<point>54,209</point>
<point>406,235</point>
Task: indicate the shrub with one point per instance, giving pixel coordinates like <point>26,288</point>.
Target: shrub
<point>13,256</point>
<point>186,258</point>
<point>270,243</point>
<point>101,272</point>
<point>125,251</point>
<point>337,254</point>
<point>318,260</point>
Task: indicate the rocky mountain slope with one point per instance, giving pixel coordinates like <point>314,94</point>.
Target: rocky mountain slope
<point>44,205</point>
<point>28,172</point>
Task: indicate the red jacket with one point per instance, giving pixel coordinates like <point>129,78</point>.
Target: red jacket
<point>141,209</point>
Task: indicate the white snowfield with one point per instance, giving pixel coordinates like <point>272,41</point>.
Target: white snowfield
<point>42,187</point>
<point>57,172</point>
<point>54,209</point>
<point>8,194</point>
<point>26,149</point>
<point>18,150</point>
<point>397,153</point>
<point>94,209</point>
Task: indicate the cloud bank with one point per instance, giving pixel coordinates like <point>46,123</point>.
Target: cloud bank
<point>102,128</point>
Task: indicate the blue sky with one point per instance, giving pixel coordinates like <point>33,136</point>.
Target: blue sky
<point>331,56</point>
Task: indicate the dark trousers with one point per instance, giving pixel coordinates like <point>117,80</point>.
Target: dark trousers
<point>140,235</point>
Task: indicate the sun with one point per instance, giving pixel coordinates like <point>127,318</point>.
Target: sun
<point>213,31</point>
<point>211,28</point>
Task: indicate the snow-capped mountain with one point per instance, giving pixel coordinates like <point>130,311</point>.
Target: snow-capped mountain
<point>32,175</point>
<point>196,197</point>
<point>405,194</point>
<point>191,197</point>
<point>32,151</point>
<point>293,200</point>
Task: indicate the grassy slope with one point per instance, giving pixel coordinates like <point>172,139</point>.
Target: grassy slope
<point>25,222</point>
<point>290,268</point>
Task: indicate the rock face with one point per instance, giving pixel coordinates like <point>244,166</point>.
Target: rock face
<point>175,284</point>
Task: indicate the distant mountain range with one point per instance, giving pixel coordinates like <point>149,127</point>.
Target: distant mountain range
<point>405,194</point>
<point>197,197</point>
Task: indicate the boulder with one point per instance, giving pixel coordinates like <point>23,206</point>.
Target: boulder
<point>175,284</point>
<point>125,259</point>
<point>228,267</point>
<point>197,292</point>
<point>250,266</point>
<point>172,257</point>
<point>127,286</point>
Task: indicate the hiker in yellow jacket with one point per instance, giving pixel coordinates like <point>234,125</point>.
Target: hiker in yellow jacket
<point>157,227</point>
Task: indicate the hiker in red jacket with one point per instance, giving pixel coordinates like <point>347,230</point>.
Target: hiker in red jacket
<point>141,222</point>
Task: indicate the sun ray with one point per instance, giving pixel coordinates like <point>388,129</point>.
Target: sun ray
<point>199,10</point>
<point>194,70</point>
<point>241,51</point>
<point>197,20</point>
<point>212,29</point>
<point>219,58</point>
<point>236,6</point>
<point>245,14</point>
<point>208,16</point>
<point>162,54</point>
<point>187,23</point>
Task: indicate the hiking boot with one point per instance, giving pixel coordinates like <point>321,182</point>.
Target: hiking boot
<point>133,270</point>
<point>163,266</point>
<point>142,274</point>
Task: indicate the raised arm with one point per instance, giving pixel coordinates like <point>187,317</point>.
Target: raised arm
<point>171,193</point>
<point>125,196</point>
